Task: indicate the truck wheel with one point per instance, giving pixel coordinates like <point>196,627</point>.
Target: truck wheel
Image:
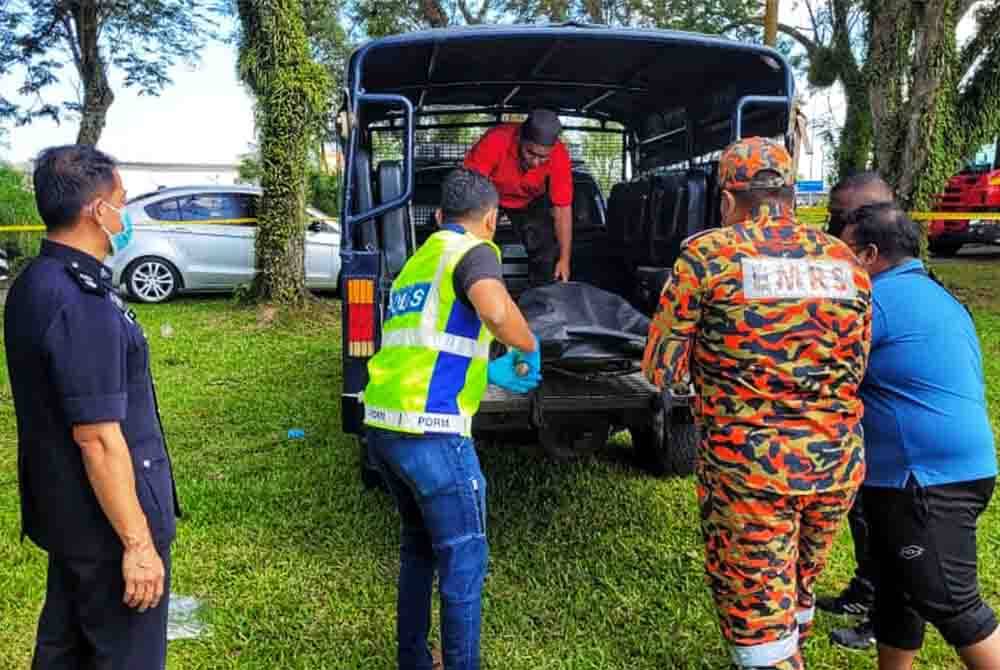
<point>945,250</point>
<point>370,477</point>
<point>565,444</point>
<point>666,448</point>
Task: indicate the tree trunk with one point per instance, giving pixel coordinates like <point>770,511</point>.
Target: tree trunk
<point>913,84</point>
<point>771,23</point>
<point>90,66</point>
<point>595,11</point>
<point>293,95</point>
<point>855,147</point>
<point>931,105</point>
<point>97,99</point>
<point>434,13</point>
<point>281,220</point>
<point>889,42</point>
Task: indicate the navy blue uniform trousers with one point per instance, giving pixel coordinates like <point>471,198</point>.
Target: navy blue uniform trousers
<point>86,626</point>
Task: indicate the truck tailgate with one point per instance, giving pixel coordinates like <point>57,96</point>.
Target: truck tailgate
<point>563,393</point>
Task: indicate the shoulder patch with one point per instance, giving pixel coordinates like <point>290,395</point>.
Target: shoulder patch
<point>87,282</point>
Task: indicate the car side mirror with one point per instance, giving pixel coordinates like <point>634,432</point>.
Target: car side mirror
<point>317,227</point>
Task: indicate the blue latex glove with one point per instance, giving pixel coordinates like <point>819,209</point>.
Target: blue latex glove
<point>502,373</point>
<point>533,358</point>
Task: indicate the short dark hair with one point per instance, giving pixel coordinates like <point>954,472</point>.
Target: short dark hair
<point>466,193</point>
<point>886,226</point>
<point>541,127</point>
<point>66,178</point>
<point>753,198</point>
<point>859,180</point>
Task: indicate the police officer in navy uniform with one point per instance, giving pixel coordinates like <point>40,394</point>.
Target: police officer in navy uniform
<point>96,486</point>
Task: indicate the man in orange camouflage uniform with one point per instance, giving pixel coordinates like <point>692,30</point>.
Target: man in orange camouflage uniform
<point>772,319</point>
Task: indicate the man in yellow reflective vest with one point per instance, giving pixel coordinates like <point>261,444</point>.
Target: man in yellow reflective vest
<point>425,385</point>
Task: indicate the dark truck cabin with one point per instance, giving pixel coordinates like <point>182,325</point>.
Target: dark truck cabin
<point>670,100</point>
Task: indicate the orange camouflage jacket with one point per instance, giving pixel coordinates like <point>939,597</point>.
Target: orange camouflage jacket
<point>772,320</point>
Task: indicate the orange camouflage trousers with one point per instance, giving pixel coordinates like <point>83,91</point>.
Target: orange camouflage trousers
<point>763,554</point>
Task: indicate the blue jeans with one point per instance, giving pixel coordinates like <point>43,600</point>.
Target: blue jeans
<point>441,494</point>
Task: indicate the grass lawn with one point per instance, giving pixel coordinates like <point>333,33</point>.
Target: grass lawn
<point>595,565</point>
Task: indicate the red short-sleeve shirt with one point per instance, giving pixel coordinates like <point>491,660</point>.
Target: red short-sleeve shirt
<point>495,155</point>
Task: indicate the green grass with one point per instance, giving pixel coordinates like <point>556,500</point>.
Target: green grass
<point>594,565</point>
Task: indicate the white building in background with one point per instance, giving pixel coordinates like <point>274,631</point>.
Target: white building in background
<point>139,178</point>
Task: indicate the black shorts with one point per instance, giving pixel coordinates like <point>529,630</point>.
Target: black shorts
<point>536,229</point>
<point>923,543</point>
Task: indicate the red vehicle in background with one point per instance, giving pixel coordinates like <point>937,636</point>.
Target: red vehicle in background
<point>975,189</point>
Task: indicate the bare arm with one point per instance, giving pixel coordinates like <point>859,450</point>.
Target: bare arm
<point>563,219</point>
<point>109,468</point>
<point>500,315</point>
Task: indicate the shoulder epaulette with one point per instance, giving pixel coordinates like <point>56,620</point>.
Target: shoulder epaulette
<point>87,281</point>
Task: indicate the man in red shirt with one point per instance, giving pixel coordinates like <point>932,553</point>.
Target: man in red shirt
<point>530,169</point>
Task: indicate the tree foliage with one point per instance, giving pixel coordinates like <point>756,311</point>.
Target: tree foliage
<point>387,17</point>
<point>322,186</point>
<point>142,39</point>
<point>933,103</point>
<point>17,208</point>
<point>917,102</point>
<point>292,92</point>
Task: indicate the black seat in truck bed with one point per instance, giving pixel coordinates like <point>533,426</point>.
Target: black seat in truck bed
<point>647,221</point>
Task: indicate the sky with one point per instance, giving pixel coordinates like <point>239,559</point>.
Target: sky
<point>206,116</point>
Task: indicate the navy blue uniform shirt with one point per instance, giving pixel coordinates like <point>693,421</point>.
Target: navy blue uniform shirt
<point>76,356</point>
<point>924,392</point>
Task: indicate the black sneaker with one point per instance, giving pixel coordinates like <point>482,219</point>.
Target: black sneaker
<point>850,601</point>
<point>860,637</point>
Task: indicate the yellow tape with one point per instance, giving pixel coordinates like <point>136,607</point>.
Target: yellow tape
<point>203,222</point>
<point>916,216</point>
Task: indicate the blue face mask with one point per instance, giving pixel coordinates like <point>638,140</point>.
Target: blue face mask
<point>120,240</point>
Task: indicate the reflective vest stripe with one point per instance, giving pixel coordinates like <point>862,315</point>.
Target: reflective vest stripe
<point>767,654</point>
<point>444,342</point>
<point>418,422</point>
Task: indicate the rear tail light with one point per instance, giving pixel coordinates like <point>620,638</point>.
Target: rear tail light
<point>360,318</point>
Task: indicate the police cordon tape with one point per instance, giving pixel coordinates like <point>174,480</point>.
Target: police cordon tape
<point>817,212</point>
<point>204,222</point>
<point>811,214</point>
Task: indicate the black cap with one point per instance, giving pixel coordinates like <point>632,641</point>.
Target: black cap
<point>541,127</point>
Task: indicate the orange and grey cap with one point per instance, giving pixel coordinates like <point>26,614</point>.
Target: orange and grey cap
<point>755,163</point>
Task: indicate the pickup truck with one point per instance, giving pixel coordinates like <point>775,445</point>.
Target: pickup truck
<point>645,115</point>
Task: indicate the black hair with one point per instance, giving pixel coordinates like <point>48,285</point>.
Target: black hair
<point>859,180</point>
<point>466,194</point>
<point>855,181</point>
<point>541,127</point>
<point>66,179</point>
<point>886,226</point>
<point>751,199</point>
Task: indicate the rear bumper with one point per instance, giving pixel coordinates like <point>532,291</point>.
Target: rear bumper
<point>567,400</point>
<point>976,232</point>
<point>561,399</point>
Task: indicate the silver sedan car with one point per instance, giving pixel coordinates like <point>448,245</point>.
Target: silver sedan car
<point>201,239</point>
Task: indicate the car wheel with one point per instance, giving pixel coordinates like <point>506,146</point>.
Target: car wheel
<point>668,444</point>
<point>565,444</point>
<point>944,250</point>
<point>151,279</point>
